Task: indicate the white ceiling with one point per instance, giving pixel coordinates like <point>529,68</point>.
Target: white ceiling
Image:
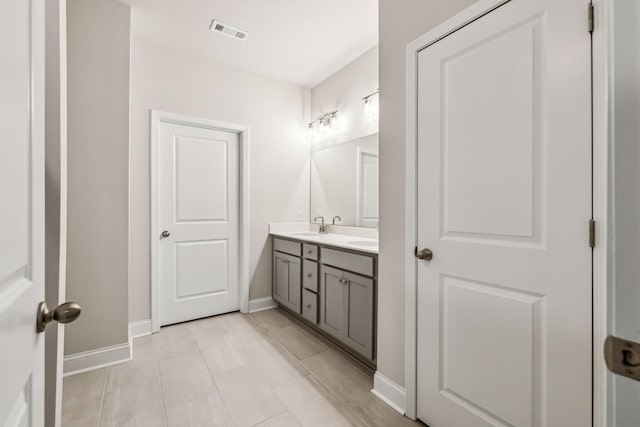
<point>296,41</point>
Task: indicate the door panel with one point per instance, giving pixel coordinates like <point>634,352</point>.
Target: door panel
<point>19,415</point>
<point>359,314</point>
<point>201,179</point>
<point>198,199</point>
<point>488,183</point>
<point>197,275</point>
<point>287,281</point>
<point>22,213</point>
<point>281,282</point>
<point>504,199</point>
<point>294,297</point>
<point>332,307</point>
<point>475,334</point>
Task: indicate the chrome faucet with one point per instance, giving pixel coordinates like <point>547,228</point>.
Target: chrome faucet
<point>333,221</point>
<point>323,228</point>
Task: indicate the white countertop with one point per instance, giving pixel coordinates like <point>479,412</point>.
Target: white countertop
<point>356,243</point>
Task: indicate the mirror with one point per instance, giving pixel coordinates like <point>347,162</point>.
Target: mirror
<point>344,182</point>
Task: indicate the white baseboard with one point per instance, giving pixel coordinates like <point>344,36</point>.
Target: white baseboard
<point>139,328</point>
<point>260,304</point>
<point>94,359</point>
<point>389,392</point>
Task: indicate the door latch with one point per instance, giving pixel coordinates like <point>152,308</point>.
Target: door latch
<point>622,357</point>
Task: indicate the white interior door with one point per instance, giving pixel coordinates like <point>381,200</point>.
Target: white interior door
<point>198,198</point>
<point>22,212</point>
<point>504,200</point>
<point>368,189</point>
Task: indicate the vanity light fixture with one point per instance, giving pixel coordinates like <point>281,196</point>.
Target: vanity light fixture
<point>324,124</point>
<point>370,105</point>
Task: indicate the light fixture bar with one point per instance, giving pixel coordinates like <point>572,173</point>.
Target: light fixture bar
<point>377,91</point>
<point>324,118</point>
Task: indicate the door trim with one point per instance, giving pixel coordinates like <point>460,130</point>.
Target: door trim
<point>601,176</point>
<point>158,117</point>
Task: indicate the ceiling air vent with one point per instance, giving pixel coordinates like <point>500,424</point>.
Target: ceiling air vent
<point>228,30</point>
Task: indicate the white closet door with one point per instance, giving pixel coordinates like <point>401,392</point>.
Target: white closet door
<point>21,212</point>
<point>504,200</point>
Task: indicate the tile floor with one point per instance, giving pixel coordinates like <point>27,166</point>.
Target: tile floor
<point>261,369</point>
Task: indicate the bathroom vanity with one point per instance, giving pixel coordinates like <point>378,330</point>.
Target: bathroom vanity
<point>329,281</point>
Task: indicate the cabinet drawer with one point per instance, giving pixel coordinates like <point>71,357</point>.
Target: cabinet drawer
<point>287,246</point>
<point>310,306</point>
<point>310,251</point>
<point>361,264</point>
<point>310,275</point>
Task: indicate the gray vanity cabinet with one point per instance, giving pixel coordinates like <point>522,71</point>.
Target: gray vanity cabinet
<point>346,308</point>
<point>332,289</point>
<point>286,280</point>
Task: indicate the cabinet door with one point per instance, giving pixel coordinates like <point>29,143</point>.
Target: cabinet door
<point>286,280</point>
<point>332,307</point>
<point>359,314</point>
<point>295,284</point>
<point>280,278</point>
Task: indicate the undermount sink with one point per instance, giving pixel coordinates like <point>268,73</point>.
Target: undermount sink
<point>306,234</point>
<point>363,243</point>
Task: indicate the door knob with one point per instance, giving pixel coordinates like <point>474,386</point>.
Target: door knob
<point>64,313</point>
<point>424,254</point>
<point>165,234</point>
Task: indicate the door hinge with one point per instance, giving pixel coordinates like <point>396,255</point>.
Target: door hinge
<point>590,17</point>
<point>592,233</point>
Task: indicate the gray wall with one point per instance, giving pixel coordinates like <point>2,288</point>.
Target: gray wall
<point>401,21</point>
<point>626,146</point>
<point>98,163</point>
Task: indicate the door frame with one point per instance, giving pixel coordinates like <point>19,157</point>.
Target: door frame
<point>56,212</point>
<point>601,177</point>
<point>158,117</point>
